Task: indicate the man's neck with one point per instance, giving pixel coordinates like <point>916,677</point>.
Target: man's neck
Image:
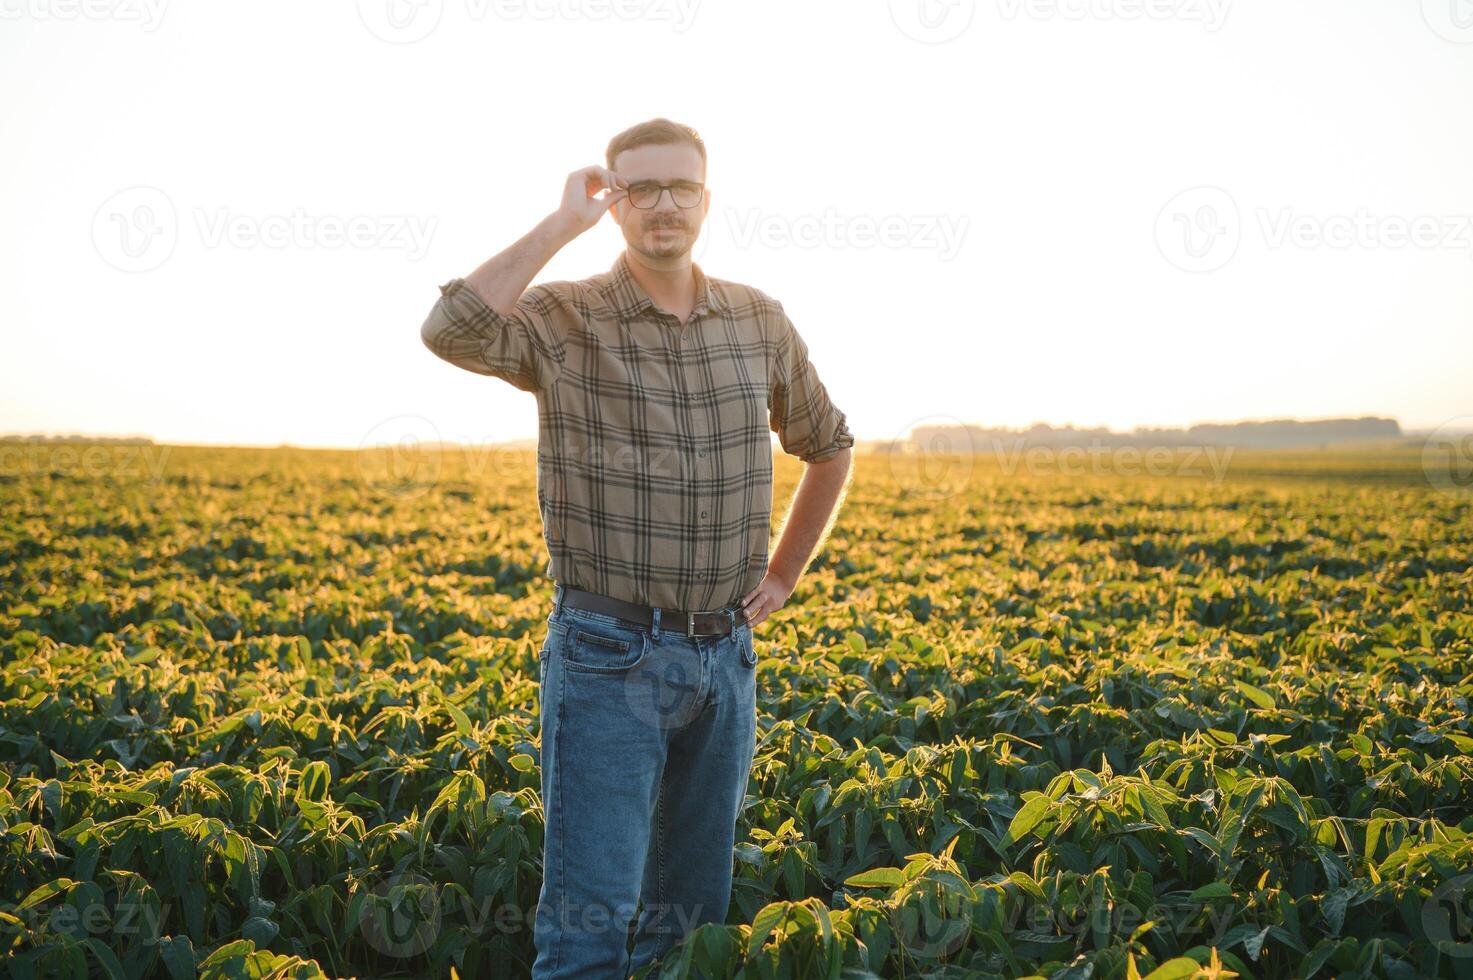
<point>673,288</point>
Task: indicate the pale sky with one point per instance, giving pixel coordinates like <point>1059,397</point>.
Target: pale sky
<point>1088,212</point>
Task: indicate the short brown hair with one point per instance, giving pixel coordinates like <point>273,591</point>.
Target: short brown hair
<point>657,130</point>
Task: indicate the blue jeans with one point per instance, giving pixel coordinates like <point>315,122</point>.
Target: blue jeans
<point>647,743</point>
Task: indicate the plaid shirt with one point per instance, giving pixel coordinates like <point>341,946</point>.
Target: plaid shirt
<point>654,463</point>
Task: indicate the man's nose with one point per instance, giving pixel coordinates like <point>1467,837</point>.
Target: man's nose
<point>666,194</point>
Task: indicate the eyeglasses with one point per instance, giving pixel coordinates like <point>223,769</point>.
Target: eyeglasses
<point>685,193</point>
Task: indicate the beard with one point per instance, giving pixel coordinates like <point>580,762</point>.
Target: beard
<point>664,245</point>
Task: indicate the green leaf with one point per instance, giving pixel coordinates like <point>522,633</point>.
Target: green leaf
<point>1257,695</point>
<point>876,878</point>
<point>145,656</point>
<point>1175,969</point>
<point>178,956</point>
<point>312,784</point>
<point>1028,817</point>
<point>763,924</point>
<point>462,720</point>
<point>260,931</point>
<point>107,959</point>
<point>43,892</point>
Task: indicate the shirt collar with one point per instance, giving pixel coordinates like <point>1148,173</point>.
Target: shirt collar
<point>628,297</point>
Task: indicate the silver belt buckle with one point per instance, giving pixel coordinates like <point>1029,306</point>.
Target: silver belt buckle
<point>690,622</point>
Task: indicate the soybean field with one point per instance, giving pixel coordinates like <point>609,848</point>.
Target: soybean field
<point>273,713</point>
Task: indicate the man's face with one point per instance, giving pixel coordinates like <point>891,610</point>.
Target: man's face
<point>664,231</point>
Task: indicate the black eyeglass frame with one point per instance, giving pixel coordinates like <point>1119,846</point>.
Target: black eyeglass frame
<point>662,189</point>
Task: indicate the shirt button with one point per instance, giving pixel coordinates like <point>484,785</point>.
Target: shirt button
<point>703,513</point>
<point>702,454</point>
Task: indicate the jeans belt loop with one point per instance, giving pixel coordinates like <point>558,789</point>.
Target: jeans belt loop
<point>557,598</point>
<point>731,615</point>
<point>655,626</point>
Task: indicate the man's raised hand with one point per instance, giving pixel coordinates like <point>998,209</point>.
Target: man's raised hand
<point>580,207</point>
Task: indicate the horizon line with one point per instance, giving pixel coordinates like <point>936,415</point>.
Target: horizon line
<point>530,441</point>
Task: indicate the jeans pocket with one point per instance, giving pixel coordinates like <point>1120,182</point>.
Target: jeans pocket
<point>747,645</point>
<point>598,646</point>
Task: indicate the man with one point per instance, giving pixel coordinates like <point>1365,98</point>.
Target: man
<point>657,386</point>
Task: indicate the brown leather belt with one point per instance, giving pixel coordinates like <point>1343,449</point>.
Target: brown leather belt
<point>687,622</point>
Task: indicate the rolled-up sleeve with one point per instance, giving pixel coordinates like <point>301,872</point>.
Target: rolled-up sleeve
<point>807,422</point>
<point>524,348</point>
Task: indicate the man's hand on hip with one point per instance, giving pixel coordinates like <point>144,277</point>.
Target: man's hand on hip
<point>767,598</point>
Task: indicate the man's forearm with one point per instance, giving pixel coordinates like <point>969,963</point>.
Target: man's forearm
<point>502,279</point>
<point>811,516</point>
